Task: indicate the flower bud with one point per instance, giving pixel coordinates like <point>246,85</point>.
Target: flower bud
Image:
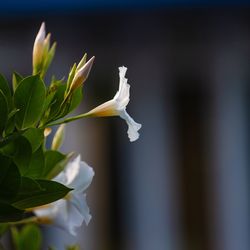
<point>81,74</point>
<point>39,47</point>
<point>58,138</point>
<point>42,53</point>
<point>82,62</point>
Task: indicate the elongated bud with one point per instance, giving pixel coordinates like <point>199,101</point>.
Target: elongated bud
<point>82,74</point>
<point>42,53</point>
<point>39,46</point>
<point>82,62</point>
<point>46,44</point>
<point>58,138</point>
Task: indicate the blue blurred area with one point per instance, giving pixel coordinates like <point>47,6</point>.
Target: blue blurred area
<point>16,6</point>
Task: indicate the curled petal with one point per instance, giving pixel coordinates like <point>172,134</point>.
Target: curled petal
<point>133,126</point>
<point>77,175</point>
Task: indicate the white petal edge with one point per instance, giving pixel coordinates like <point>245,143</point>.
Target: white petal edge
<point>133,126</point>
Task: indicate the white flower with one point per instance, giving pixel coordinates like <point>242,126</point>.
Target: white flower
<point>69,213</point>
<point>117,106</point>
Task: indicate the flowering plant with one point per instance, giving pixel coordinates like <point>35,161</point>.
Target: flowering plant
<point>41,185</point>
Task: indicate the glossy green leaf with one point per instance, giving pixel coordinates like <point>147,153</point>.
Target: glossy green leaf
<point>10,179</point>
<point>35,136</point>
<point>3,112</point>
<point>52,191</point>
<point>8,213</point>
<point>10,126</point>
<point>36,165</point>
<point>19,149</point>
<point>52,158</point>
<point>28,186</point>
<point>29,98</point>
<point>4,87</point>
<point>23,152</point>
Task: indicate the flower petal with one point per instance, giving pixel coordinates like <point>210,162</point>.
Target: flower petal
<point>80,203</point>
<point>122,96</point>
<point>79,175</point>
<point>133,126</point>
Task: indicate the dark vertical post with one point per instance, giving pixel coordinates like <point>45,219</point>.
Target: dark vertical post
<point>191,103</point>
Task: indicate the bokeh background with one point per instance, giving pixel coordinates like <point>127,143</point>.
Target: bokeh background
<point>185,184</point>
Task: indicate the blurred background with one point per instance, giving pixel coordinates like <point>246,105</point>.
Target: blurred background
<point>185,184</point>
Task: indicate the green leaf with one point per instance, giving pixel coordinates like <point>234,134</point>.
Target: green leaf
<point>8,213</point>
<point>19,149</point>
<point>30,237</point>
<point>3,112</point>
<point>36,165</point>
<point>35,136</point>
<point>29,98</point>
<point>28,186</point>
<point>4,87</point>
<point>22,155</point>
<point>10,179</point>
<point>52,191</point>
<point>10,126</point>
<point>16,79</point>
<point>52,158</point>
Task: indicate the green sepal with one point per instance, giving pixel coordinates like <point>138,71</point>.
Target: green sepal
<point>16,79</point>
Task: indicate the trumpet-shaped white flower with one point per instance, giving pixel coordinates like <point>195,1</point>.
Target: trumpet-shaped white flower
<point>69,213</point>
<point>117,106</point>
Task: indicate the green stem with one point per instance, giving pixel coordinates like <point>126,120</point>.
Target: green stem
<point>70,119</point>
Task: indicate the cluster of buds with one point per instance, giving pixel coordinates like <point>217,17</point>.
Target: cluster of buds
<point>42,57</point>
